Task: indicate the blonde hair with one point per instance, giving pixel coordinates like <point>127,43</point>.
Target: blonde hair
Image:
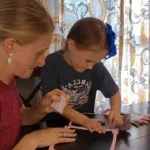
<point>25,20</point>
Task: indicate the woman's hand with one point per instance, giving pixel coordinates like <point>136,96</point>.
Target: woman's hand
<point>52,136</point>
<point>53,96</point>
<point>46,137</point>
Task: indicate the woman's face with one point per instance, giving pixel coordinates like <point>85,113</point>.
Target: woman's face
<point>26,58</point>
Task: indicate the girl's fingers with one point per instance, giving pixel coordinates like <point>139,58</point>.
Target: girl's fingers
<point>90,129</point>
<point>96,127</point>
<point>100,129</point>
<point>110,119</point>
<point>114,122</point>
<point>100,121</point>
<point>121,120</point>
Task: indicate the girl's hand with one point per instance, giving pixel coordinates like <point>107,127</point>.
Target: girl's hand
<point>115,119</point>
<point>94,125</point>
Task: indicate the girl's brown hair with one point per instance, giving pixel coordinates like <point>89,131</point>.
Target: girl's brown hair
<point>89,33</point>
<point>25,20</point>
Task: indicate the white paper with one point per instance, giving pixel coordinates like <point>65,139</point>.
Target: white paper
<point>59,106</point>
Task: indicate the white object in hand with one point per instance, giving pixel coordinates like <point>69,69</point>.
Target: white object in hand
<point>59,106</point>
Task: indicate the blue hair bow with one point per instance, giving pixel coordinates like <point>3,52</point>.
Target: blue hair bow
<point>111,41</point>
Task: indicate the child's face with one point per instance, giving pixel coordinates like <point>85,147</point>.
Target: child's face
<point>83,59</point>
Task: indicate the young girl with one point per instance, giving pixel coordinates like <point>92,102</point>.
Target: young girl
<point>78,71</point>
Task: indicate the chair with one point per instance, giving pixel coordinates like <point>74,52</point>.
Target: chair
<point>36,73</point>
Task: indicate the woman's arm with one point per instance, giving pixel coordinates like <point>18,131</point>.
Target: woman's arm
<point>33,115</point>
<point>30,116</point>
<point>26,143</point>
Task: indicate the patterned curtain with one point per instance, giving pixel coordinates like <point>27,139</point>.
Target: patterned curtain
<point>130,20</point>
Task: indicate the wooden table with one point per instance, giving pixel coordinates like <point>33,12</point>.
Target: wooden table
<point>135,139</point>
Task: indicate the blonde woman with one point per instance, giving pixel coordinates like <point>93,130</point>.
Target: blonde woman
<point>26,30</point>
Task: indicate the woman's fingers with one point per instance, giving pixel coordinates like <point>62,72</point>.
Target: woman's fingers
<point>55,98</point>
<point>66,140</point>
<point>55,95</point>
<point>58,92</point>
<point>67,135</point>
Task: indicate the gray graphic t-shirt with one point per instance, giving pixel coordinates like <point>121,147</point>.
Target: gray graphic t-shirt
<point>79,92</point>
<point>82,87</point>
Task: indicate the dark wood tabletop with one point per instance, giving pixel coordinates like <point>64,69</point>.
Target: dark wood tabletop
<point>134,139</point>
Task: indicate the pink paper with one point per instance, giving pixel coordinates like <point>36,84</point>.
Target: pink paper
<point>59,106</point>
<point>114,131</point>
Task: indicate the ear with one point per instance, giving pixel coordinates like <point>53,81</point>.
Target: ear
<point>71,44</point>
<point>9,45</point>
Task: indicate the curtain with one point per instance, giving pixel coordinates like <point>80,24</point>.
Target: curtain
<point>130,19</point>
